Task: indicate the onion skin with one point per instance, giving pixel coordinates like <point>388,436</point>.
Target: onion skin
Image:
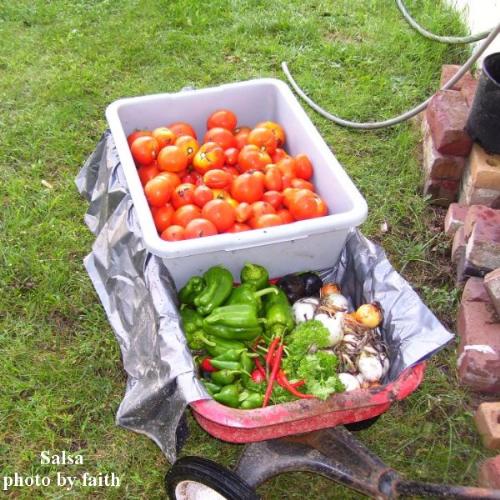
<point>369,315</point>
<point>349,381</point>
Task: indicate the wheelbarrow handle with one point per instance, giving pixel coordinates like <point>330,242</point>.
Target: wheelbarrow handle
<point>404,488</point>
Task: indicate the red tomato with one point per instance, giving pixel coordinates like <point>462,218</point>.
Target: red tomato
<point>264,139</point>
<point>183,215</point>
<point>182,128</point>
<point>172,159</point>
<point>222,136</point>
<point>173,233</point>
<point>277,131</point>
<point>202,195</point>
<point>137,133</point>
<point>220,212</point>
<point>285,215</point>
<point>241,136</point>
<point>274,198</point>
<point>287,167</point>
<point>164,136</point>
<point>268,220</point>
<point>302,184</point>
<point>189,146</point>
<point>243,211</point>
<point>252,158</point>
<point>210,155</point>
<point>158,191</point>
<point>174,179</point>
<point>238,227</point>
<point>163,217</point>
<point>260,208</point>
<point>147,172</point>
<point>231,155</point>
<point>273,178</point>
<point>278,155</point>
<point>222,118</point>
<point>307,206</point>
<point>145,150</point>
<point>197,228</point>
<point>303,167</point>
<point>288,195</point>
<point>247,188</point>
<point>183,195</point>
<point>231,170</point>
<point>217,178</point>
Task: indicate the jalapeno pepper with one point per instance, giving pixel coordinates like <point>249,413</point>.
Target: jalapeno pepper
<point>278,314</point>
<point>221,345</point>
<point>229,395</point>
<point>253,400</point>
<point>231,355</point>
<point>211,387</point>
<point>225,365</point>
<point>219,283</point>
<point>255,275</point>
<point>224,377</point>
<point>247,365</point>
<point>191,289</point>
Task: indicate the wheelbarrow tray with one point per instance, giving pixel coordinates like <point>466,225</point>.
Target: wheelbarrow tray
<point>304,415</point>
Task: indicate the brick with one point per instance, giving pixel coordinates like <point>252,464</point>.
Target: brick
<point>483,245</point>
<point>447,115</point>
<point>492,285</point>
<point>458,246</point>
<point>454,218</point>
<point>487,420</point>
<point>439,166</point>
<point>442,192</point>
<point>448,71</point>
<point>489,473</point>
<point>468,90</point>
<point>474,213</point>
<point>479,348</point>
<point>484,168</point>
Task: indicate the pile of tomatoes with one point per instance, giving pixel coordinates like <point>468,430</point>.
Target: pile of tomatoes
<point>237,179</point>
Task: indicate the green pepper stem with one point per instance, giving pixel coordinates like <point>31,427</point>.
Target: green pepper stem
<point>265,291</point>
<point>206,341</point>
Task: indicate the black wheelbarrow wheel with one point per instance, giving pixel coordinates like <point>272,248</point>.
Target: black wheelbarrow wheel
<point>196,478</point>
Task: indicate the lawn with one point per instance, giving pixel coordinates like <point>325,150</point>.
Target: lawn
<point>62,63</point>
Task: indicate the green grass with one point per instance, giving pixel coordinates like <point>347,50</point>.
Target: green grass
<point>62,63</point>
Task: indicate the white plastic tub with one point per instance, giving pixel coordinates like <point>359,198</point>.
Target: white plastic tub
<point>309,244</point>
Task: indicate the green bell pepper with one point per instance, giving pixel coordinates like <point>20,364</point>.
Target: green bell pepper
<point>278,314</point>
<point>246,293</point>
<point>237,315</point>
<point>255,275</point>
<point>230,355</point>
<point>219,283</point>
<point>224,377</point>
<point>231,333</point>
<point>225,365</point>
<point>253,400</point>
<point>211,387</point>
<point>229,395</point>
<point>221,345</point>
<point>191,289</point>
<point>192,323</point>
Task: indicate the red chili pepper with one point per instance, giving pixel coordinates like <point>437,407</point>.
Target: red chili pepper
<point>284,382</point>
<point>207,366</point>
<point>299,383</point>
<point>272,377</point>
<point>259,367</point>
<point>257,376</point>
<point>271,349</point>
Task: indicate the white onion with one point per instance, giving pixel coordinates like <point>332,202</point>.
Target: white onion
<point>334,324</point>
<point>335,301</point>
<point>304,309</point>
<point>349,381</point>
<point>369,366</point>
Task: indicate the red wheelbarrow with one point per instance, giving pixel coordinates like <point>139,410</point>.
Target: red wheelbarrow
<point>304,435</point>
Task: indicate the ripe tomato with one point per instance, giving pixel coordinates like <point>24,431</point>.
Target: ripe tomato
<point>182,128</point>
<point>202,195</point>
<point>189,146</point>
<point>222,136</point>
<point>231,155</point>
<point>252,158</point>
<point>288,195</point>
<point>231,170</point>
<point>307,206</point>
<point>278,155</point>
<point>172,159</point>
<point>243,211</point>
<point>164,136</point>
<point>173,233</point>
<point>210,155</point>
<point>217,178</point>
<point>277,131</point>
<point>163,217</point>
<point>285,215</point>
<point>264,139</point>
<point>274,198</point>
<point>220,212</point>
<point>222,118</point>
<point>197,228</point>
<point>183,215</point>
<point>183,195</point>
<point>260,208</point>
<point>273,178</point>
<point>238,227</point>
<point>247,187</point>
<point>301,184</point>
<point>145,150</point>
<point>267,220</point>
<point>287,167</point>
<point>137,133</point>
<point>241,136</point>
<point>147,172</point>
<point>171,177</point>
<point>158,191</point>
<point>303,167</point>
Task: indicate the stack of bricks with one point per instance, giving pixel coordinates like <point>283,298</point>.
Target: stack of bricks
<point>446,143</point>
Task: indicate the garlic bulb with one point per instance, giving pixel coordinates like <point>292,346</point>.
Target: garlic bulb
<point>334,324</point>
<point>304,309</point>
<point>349,381</point>
<point>370,366</point>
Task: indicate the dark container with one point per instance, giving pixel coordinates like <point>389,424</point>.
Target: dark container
<point>483,124</point>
